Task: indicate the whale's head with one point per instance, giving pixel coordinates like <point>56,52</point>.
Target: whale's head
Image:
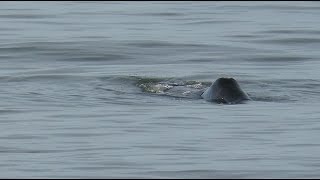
<point>228,91</point>
<point>228,83</point>
<point>225,90</point>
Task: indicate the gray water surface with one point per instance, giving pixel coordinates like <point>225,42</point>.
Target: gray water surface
<point>74,102</point>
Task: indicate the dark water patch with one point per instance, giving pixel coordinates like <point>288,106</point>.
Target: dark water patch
<point>245,36</point>
<point>37,151</point>
<point>214,22</point>
<point>9,111</point>
<point>271,131</point>
<point>270,7</point>
<point>26,16</point>
<point>38,43</point>
<point>95,13</point>
<point>34,93</point>
<point>63,54</point>
<point>201,60</point>
<point>290,31</point>
<point>178,125</point>
<point>45,77</point>
<point>92,37</point>
<point>162,14</point>
<point>190,19</point>
<point>214,13</point>
<point>6,57</point>
<point>180,118</point>
<point>36,47</point>
<point>19,49</point>
<point>56,45</point>
<point>274,59</point>
<point>18,9</point>
<point>290,41</point>
<point>47,22</point>
<point>286,7</point>
<point>300,145</point>
<point>272,98</point>
<point>79,134</point>
<point>93,176</point>
<point>115,91</point>
<point>110,167</point>
<point>166,124</point>
<point>29,151</point>
<point>79,116</point>
<point>133,130</point>
<point>6,34</point>
<point>105,57</point>
<point>156,44</point>
<point>132,23</point>
<point>198,173</point>
<point>156,146</point>
<point>233,174</point>
<point>23,137</point>
<point>140,29</point>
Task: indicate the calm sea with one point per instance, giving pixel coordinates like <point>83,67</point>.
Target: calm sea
<point>83,89</point>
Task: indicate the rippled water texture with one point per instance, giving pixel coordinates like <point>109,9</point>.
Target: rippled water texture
<point>109,89</point>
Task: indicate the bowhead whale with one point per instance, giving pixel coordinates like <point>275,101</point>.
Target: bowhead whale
<point>225,90</point>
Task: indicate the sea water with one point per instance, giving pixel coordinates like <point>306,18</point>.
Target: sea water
<point>73,102</point>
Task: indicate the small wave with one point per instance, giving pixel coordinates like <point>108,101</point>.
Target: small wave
<point>290,31</point>
<point>245,36</point>
<point>18,9</point>
<point>155,44</point>
<point>283,90</point>
<point>19,49</point>
<point>33,151</point>
<point>279,59</point>
<point>286,7</point>
<point>8,29</point>
<point>50,22</point>
<point>162,14</point>
<point>105,57</point>
<point>26,16</point>
<point>201,60</point>
<point>288,41</point>
<point>279,99</point>
<point>44,77</point>
<point>271,7</point>
<point>32,46</point>
<point>214,22</point>
<point>6,57</point>
<point>9,111</point>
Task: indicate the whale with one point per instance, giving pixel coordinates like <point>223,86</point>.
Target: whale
<point>225,91</point>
